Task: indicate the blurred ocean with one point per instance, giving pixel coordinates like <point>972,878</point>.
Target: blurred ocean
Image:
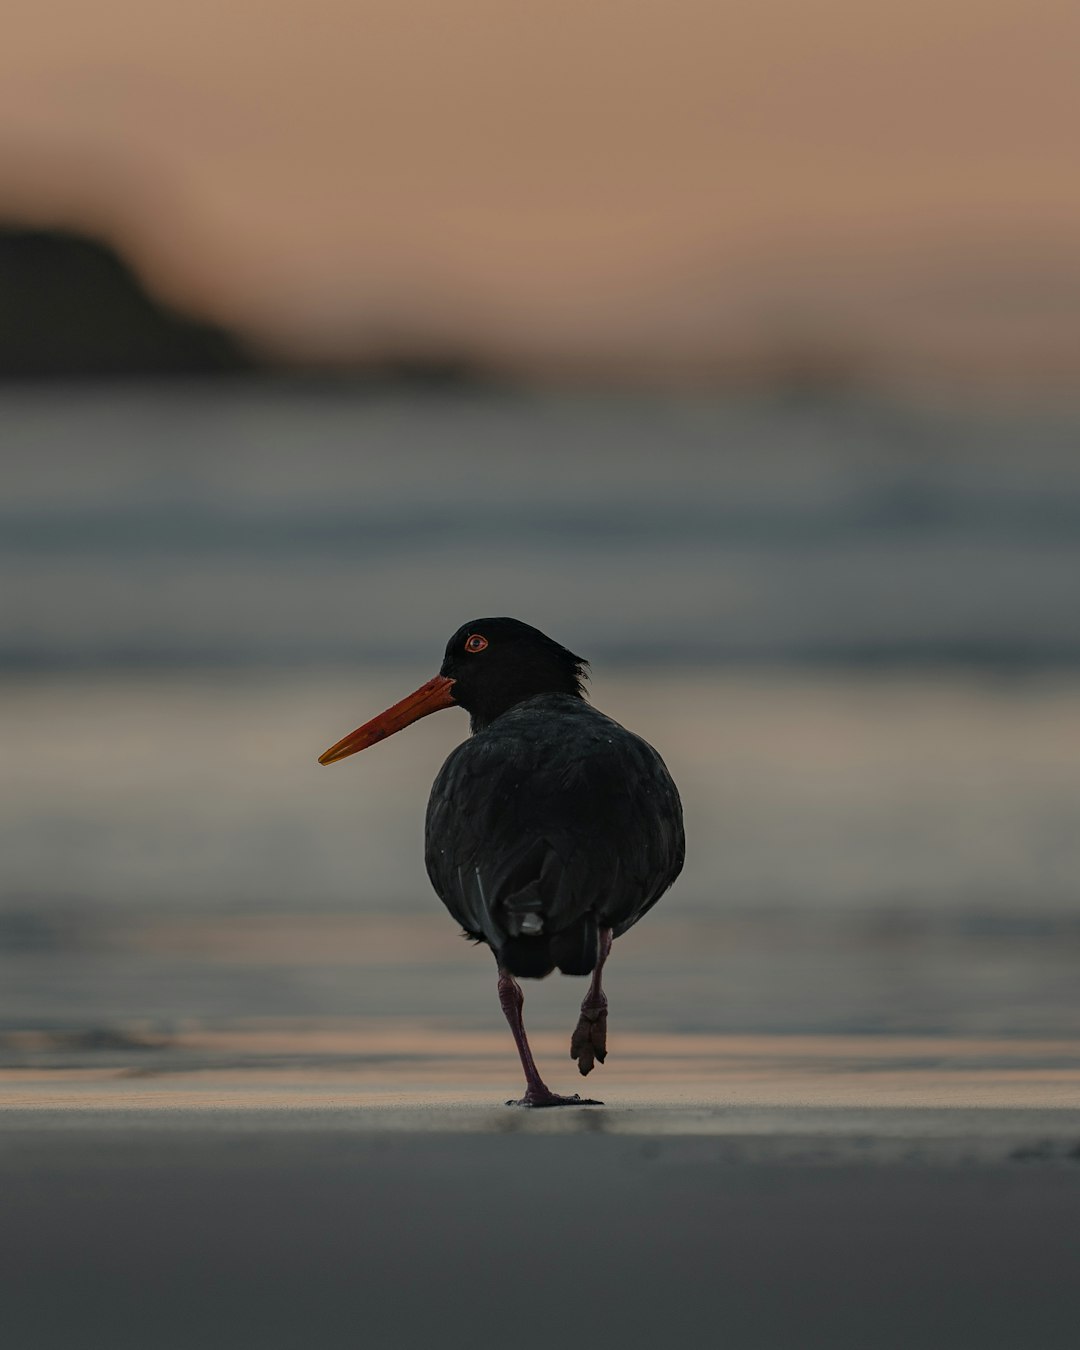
<point>268,526</point>
<point>852,629</point>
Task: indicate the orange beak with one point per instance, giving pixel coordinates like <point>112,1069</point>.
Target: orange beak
<point>427,699</point>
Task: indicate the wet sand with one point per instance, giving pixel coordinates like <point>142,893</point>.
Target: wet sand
<point>285,1230</point>
<point>759,1192</point>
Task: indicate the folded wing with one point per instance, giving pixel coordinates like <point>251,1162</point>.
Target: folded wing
<point>550,821</point>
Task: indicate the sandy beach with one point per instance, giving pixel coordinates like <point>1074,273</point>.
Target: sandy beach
<point>306,1226</point>
<point>752,1192</point>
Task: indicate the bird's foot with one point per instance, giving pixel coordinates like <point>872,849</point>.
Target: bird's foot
<point>589,1041</point>
<point>545,1097</point>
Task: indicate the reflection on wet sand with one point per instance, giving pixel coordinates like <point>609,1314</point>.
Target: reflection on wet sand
<point>421,1068</point>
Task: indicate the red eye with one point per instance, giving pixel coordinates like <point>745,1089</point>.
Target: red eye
<point>475,643</point>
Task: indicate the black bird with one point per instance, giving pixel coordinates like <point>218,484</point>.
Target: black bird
<point>550,831</point>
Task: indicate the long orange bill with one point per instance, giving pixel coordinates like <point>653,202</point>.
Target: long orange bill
<point>428,698</point>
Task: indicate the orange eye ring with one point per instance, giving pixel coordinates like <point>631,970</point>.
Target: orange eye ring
<point>475,642</point>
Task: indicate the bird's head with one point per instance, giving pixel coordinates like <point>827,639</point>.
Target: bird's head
<point>490,666</point>
<point>497,663</point>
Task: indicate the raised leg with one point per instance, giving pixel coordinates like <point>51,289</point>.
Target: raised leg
<point>537,1093</point>
<point>589,1041</point>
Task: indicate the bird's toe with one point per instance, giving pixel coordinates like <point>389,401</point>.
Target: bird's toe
<point>588,1044</point>
<point>544,1097</point>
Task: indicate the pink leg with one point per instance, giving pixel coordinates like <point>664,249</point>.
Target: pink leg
<point>589,1041</point>
<point>537,1093</point>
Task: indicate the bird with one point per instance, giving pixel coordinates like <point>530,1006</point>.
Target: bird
<point>550,831</point>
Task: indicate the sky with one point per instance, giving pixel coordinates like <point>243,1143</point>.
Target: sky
<point>664,190</point>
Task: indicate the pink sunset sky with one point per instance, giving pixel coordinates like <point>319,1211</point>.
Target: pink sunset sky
<point>661,190</point>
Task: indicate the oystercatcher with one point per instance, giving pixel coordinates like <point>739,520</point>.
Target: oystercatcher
<point>550,831</point>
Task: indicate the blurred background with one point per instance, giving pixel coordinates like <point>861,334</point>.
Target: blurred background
<point>736,347</point>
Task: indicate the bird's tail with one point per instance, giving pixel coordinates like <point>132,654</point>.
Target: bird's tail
<point>574,951</point>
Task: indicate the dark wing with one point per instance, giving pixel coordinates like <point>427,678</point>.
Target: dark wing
<point>553,811</point>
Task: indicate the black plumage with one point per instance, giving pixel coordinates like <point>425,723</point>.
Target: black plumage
<point>552,815</point>
<point>551,830</point>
